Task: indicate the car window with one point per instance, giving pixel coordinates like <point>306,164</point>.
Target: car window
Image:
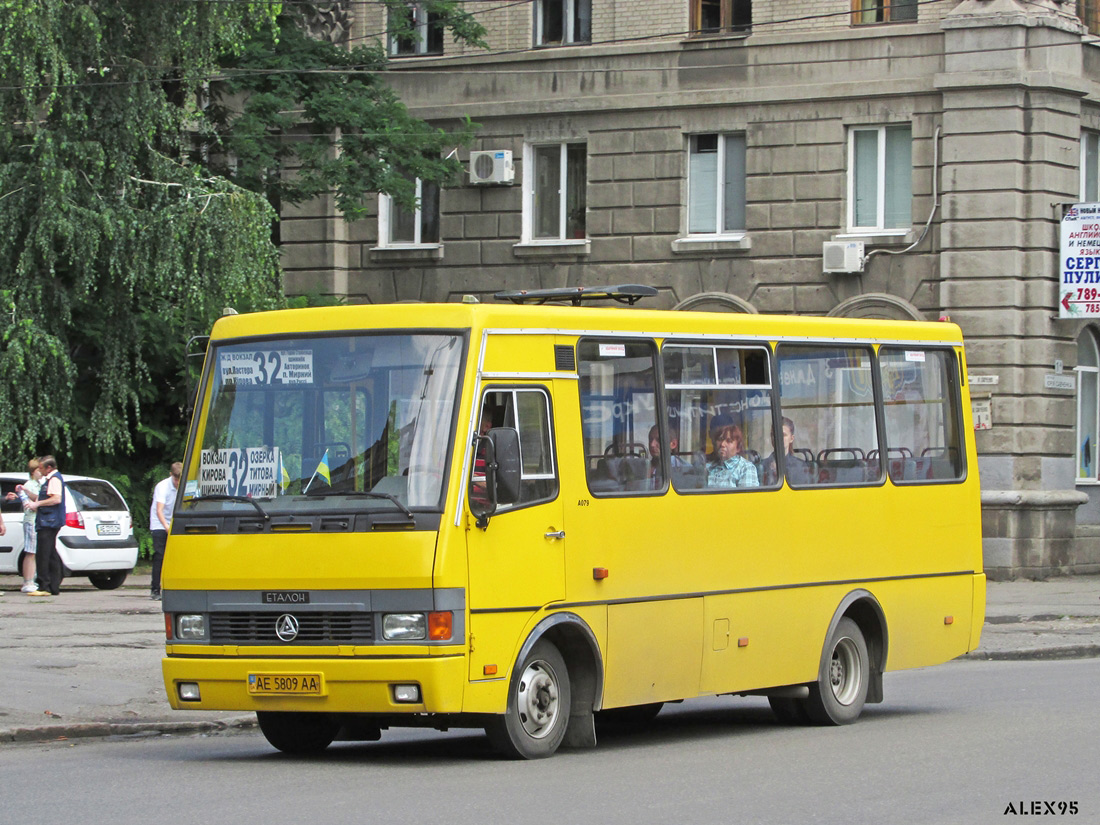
<point>5,505</point>
<point>95,495</point>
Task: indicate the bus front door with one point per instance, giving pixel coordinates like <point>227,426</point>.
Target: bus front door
<point>517,562</point>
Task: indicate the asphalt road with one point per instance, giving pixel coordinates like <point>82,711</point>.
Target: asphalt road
<point>959,743</point>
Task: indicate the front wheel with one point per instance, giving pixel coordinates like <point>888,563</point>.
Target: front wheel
<point>538,706</point>
<point>838,695</point>
<point>297,733</point>
<point>110,580</point>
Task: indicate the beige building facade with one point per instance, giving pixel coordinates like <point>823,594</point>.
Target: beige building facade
<point>863,158</point>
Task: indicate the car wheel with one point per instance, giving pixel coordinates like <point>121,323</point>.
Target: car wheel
<point>110,580</point>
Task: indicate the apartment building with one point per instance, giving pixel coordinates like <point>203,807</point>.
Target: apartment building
<point>864,158</point>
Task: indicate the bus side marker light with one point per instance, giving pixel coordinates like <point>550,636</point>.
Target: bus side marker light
<point>440,625</point>
<point>489,670</point>
<point>599,573</point>
<point>743,641</point>
<point>949,620</point>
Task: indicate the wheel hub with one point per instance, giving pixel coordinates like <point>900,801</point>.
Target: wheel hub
<point>538,699</point>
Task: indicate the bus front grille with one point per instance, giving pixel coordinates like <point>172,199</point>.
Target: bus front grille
<point>258,627</point>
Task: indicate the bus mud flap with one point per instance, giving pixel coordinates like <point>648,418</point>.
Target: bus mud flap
<point>581,732</point>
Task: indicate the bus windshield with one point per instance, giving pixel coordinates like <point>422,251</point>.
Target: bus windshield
<point>312,424</point>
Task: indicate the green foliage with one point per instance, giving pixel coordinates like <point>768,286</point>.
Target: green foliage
<point>321,111</point>
<point>114,245</point>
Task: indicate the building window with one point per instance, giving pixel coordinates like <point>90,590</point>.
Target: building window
<point>720,16</point>
<point>555,180</point>
<point>883,11</point>
<point>880,185</point>
<point>1088,393</point>
<point>1090,167</point>
<point>563,21</point>
<point>399,226</point>
<point>716,184</point>
<point>415,30</point>
<point>1089,12</point>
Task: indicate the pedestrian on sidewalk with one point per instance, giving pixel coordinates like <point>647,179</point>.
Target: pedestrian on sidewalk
<point>28,492</point>
<point>49,518</point>
<point>160,519</point>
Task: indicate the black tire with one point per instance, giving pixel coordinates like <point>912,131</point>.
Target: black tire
<point>539,700</point>
<point>297,733</point>
<point>838,695</point>
<point>789,711</point>
<point>635,716</point>
<point>110,580</point>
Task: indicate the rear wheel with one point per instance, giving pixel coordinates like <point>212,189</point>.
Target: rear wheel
<point>538,706</point>
<point>109,580</point>
<point>838,695</point>
<point>297,732</point>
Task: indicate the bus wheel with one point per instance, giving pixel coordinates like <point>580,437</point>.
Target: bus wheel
<point>538,706</point>
<point>297,732</point>
<point>838,695</point>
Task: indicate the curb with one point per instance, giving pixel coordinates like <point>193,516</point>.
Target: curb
<point>84,730</point>
<point>1041,654</point>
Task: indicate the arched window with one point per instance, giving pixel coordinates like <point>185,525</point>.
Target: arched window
<point>1088,408</point>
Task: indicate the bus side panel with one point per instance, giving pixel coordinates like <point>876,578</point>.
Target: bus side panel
<point>654,653</point>
<point>929,620</point>
<point>764,639</point>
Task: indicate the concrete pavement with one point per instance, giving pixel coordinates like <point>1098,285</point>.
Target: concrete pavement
<point>87,663</point>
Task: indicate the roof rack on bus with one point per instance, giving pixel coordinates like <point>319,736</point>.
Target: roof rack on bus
<point>623,293</point>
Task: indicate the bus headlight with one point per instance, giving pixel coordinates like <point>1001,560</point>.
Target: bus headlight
<point>400,627</point>
<point>191,626</point>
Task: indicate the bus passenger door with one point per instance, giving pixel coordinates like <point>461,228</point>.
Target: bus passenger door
<point>517,563</point>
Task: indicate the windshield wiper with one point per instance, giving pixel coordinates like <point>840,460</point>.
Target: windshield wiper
<point>366,494</point>
<point>242,499</point>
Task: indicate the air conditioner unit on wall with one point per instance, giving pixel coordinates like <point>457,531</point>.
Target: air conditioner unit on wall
<point>842,256</point>
<point>492,166</point>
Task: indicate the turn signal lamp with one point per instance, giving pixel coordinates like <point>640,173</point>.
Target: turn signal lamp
<point>440,625</point>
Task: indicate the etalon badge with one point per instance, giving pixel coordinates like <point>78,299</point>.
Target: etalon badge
<point>286,628</point>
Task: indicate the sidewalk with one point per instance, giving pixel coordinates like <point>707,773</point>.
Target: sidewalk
<point>87,663</point>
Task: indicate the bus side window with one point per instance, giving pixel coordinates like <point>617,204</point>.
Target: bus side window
<point>828,394</point>
<point>921,400</point>
<point>719,390</point>
<point>618,392</point>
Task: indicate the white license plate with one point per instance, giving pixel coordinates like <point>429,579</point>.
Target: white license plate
<point>108,529</point>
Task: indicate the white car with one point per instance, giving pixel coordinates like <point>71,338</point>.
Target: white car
<point>97,540</point>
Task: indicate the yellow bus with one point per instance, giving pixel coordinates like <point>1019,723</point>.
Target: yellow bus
<point>523,516</point>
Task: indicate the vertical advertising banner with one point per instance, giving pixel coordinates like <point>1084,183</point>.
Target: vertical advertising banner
<point>1079,264</point>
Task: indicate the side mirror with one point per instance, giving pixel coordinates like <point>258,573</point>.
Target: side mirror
<point>496,473</point>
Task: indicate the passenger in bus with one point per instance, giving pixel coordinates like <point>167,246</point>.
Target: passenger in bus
<point>675,462</point>
<point>797,470</point>
<point>727,466</point>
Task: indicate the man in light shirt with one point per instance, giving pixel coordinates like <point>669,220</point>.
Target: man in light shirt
<point>160,519</point>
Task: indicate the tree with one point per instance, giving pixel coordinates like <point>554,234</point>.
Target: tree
<point>143,156</point>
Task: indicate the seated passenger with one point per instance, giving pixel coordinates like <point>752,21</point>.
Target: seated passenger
<point>656,471</point>
<point>727,467</point>
<point>797,470</point>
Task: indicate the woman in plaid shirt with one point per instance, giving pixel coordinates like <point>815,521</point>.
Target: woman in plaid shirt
<point>728,468</point>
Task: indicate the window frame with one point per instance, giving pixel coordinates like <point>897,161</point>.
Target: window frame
<point>1093,371</point>
<point>548,408</point>
<point>1090,140</point>
<point>726,25</point>
<point>883,10</point>
<point>720,233</point>
<point>882,170</point>
<point>531,193</point>
<point>387,208</point>
<point>570,18</point>
<point>421,46</point>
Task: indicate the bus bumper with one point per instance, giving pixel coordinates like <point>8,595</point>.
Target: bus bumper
<point>361,685</point>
